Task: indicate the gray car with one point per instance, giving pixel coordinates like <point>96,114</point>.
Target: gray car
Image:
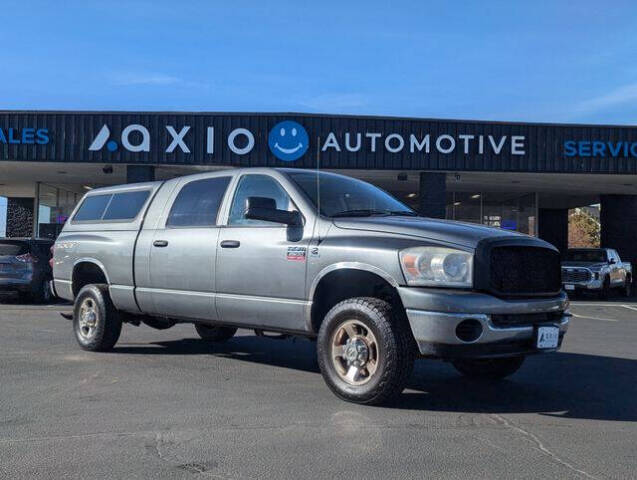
<point>25,268</point>
<point>311,254</point>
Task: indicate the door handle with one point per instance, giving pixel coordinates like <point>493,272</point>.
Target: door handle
<point>230,244</point>
<point>160,243</point>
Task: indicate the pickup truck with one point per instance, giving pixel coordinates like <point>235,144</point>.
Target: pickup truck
<point>597,270</point>
<point>312,254</point>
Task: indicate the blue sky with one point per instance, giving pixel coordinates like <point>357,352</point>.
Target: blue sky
<point>534,60</point>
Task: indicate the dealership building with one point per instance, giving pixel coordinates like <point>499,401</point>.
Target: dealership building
<point>516,176</point>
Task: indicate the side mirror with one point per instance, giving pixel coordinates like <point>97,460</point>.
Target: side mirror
<point>612,261</point>
<point>264,208</point>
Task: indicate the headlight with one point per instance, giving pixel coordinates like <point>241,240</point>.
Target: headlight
<point>437,266</point>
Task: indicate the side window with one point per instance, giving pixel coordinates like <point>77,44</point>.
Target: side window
<point>197,203</point>
<point>125,206</point>
<point>92,208</point>
<point>257,186</point>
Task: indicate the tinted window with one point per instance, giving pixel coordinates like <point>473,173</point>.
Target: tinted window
<point>13,248</point>
<point>125,206</point>
<point>92,208</point>
<point>257,186</point>
<point>198,203</point>
<point>345,196</point>
<point>588,256</point>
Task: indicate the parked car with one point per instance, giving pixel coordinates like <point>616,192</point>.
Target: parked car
<point>597,270</point>
<point>311,254</point>
<point>25,268</point>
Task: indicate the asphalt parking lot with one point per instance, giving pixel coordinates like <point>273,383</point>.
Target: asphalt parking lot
<point>167,405</point>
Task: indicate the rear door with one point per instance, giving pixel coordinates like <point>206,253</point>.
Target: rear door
<point>183,250</point>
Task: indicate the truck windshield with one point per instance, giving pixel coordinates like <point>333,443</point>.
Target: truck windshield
<point>591,256</point>
<point>342,196</point>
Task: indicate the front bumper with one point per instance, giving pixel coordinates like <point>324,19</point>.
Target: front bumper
<point>434,316</point>
<point>580,286</point>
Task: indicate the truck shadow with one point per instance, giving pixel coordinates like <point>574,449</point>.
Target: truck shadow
<point>564,385</point>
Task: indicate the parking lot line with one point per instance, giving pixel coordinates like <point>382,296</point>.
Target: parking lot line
<point>594,318</point>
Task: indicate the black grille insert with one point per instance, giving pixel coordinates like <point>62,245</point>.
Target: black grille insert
<point>519,319</point>
<point>521,268</point>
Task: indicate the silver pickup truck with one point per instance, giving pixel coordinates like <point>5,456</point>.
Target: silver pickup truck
<point>312,254</point>
<point>596,270</point>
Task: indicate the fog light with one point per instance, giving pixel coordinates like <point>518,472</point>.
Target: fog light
<point>469,330</point>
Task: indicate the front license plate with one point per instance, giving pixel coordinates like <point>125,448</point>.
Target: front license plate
<point>569,287</point>
<point>547,337</point>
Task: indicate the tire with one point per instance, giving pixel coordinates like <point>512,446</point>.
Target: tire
<point>604,293</point>
<point>628,287</point>
<point>488,368</point>
<point>96,322</point>
<point>381,342</point>
<point>43,293</point>
<point>217,334</point>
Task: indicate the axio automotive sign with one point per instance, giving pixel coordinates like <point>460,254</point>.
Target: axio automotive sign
<point>302,140</point>
<point>288,141</point>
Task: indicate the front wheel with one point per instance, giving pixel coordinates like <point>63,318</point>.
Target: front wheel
<point>488,368</point>
<point>365,352</point>
<point>96,322</point>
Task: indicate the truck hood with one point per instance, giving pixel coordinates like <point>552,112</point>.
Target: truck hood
<point>444,231</point>
<point>584,264</point>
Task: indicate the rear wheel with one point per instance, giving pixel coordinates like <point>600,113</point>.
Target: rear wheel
<point>488,368</point>
<point>96,322</point>
<point>365,352</point>
<point>216,333</point>
<point>42,294</point>
<point>604,293</point>
<point>628,287</point>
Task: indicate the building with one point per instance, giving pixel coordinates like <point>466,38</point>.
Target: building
<point>517,176</point>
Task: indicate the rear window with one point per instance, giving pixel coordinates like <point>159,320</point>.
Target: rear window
<point>198,203</point>
<point>13,248</point>
<point>125,206</point>
<point>118,206</point>
<point>92,208</point>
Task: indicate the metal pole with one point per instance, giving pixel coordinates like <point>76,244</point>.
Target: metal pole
<point>36,209</point>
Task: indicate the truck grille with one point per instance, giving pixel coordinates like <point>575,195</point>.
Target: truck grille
<point>511,268</point>
<point>575,275</point>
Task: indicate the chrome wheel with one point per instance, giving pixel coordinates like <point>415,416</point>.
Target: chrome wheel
<point>88,318</point>
<point>354,352</point>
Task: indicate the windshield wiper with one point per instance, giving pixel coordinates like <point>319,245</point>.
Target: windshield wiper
<point>368,212</point>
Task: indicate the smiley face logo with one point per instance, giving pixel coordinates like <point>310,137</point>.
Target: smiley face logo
<point>288,141</point>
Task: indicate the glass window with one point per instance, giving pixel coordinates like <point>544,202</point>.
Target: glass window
<point>125,206</point>
<point>13,248</point>
<point>92,208</point>
<point>344,196</point>
<point>257,186</point>
<point>198,203</point>
<point>586,256</point>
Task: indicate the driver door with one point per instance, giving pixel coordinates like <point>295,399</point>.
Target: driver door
<point>261,266</point>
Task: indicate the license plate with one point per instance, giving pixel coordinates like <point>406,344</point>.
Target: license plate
<point>547,337</point>
<point>569,287</point>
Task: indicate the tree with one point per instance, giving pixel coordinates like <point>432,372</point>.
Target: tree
<point>583,230</point>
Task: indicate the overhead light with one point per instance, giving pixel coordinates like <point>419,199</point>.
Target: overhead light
<point>412,195</point>
<point>86,187</point>
<point>477,195</point>
<point>456,203</point>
